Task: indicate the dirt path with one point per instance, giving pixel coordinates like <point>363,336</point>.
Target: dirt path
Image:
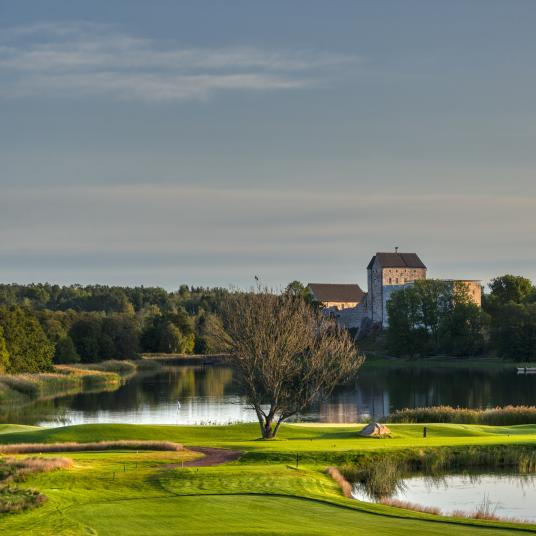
<point>212,456</point>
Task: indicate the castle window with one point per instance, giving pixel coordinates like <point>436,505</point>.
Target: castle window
<point>390,280</point>
<point>397,280</point>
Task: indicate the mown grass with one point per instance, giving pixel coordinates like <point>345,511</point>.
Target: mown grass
<point>127,492</point>
<point>500,416</point>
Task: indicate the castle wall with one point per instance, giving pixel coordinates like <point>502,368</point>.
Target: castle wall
<point>376,293</point>
<point>401,276</point>
<point>382,282</point>
<point>473,288</point>
<point>351,317</point>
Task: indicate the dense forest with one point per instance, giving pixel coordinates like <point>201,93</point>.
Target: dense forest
<point>434,318</point>
<point>43,324</point>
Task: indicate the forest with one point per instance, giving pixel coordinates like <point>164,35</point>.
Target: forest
<point>43,324</point>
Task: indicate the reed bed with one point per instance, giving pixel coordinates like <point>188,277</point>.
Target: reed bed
<point>65,380</point>
<point>26,448</point>
<point>15,468</point>
<point>499,416</point>
<point>123,368</point>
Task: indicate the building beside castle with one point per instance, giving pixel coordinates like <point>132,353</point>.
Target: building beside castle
<point>387,272</point>
<point>336,296</point>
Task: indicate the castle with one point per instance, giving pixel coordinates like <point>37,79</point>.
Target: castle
<point>386,273</point>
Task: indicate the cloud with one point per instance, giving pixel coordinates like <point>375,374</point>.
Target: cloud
<point>90,59</point>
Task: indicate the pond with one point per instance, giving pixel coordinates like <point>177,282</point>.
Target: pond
<point>209,394</point>
<point>501,494</point>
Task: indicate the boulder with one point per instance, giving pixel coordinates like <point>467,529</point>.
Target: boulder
<point>375,429</point>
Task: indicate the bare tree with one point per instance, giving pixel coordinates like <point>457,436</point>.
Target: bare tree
<point>288,355</point>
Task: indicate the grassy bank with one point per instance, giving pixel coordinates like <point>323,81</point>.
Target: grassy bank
<point>127,492</point>
<point>21,389</point>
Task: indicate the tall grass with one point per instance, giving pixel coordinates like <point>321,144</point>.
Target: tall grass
<point>345,486</point>
<point>15,468</point>
<point>14,499</point>
<point>65,380</point>
<point>18,499</point>
<point>123,368</point>
<point>499,416</point>
<point>411,506</point>
<point>24,448</point>
<point>68,379</point>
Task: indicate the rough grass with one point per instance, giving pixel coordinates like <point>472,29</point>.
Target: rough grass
<point>411,506</point>
<point>25,448</point>
<point>499,416</point>
<point>16,499</point>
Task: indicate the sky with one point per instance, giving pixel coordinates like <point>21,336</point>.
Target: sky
<point>209,142</point>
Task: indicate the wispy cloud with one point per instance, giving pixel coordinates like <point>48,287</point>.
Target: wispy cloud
<point>88,59</point>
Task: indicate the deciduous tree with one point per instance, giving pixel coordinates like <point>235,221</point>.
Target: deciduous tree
<point>288,354</point>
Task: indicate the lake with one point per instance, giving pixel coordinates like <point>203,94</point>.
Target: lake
<point>209,394</point>
<point>505,495</point>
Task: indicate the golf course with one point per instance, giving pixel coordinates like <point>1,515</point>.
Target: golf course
<point>253,487</point>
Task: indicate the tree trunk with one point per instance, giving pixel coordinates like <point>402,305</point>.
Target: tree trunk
<point>265,423</point>
<point>267,432</point>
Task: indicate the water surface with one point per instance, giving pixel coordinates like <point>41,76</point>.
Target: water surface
<point>210,394</point>
<point>505,495</point>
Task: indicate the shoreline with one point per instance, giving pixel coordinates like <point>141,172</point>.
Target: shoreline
<point>20,390</point>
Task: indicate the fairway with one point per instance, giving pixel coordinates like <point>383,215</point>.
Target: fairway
<point>138,492</point>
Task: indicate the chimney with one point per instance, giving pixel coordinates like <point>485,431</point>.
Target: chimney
<point>396,249</point>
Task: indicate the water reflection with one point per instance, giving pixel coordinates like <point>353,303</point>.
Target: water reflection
<point>499,493</point>
<point>210,394</point>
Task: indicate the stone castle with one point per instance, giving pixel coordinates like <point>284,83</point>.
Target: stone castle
<point>386,273</point>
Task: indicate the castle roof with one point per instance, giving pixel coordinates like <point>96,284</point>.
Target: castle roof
<point>397,260</point>
<point>333,292</point>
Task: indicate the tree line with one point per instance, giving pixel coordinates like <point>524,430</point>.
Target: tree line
<point>43,324</point>
<point>434,317</point>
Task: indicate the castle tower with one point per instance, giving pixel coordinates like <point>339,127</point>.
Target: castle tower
<point>387,272</point>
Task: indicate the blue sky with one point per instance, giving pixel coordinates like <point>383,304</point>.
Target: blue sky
<point>200,142</point>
